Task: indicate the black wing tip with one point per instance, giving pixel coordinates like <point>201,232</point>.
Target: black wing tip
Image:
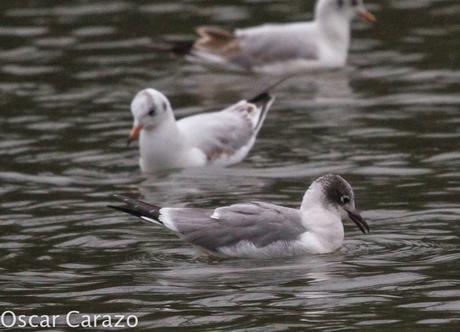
<point>262,98</point>
<point>136,207</point>
<point>125,210</point>
<point>176,47</point>
<point>139,214</point>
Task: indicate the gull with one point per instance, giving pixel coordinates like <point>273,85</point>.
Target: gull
<point>278,48</point>
<point>261,230</point>
<point>218,138</point>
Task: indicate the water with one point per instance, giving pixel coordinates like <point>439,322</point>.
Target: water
<point>389,123</point>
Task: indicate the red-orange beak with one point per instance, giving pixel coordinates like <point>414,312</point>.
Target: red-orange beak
<point>134,134</point>
<point>367,16</point>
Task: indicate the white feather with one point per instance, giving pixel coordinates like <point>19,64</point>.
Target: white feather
<point>166,219</point>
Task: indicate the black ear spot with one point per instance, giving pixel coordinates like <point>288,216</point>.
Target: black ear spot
<point>345,199</point>
<point>164,105</point>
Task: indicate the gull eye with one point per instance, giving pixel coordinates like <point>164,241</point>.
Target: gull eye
<point>151,112</point>
<point>345,199</point>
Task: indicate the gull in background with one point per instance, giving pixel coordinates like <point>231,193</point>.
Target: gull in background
<point>278,48</point>
<point>219,138</point>
<point>262,230</point>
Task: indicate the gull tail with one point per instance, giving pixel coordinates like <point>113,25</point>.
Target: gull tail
<point>263,100</point>
<point>175,47</point>
<point>147,212</point>
<point>264,92</point>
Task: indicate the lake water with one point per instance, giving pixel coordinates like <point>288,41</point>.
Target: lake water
<point>389,123</point>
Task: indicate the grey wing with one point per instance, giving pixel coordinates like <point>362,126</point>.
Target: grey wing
<point>274,44</point>
<point>219,134</point>
<point>258,223</point>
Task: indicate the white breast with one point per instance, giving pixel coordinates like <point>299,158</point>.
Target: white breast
<point>159,149</point>
<point>325,231</point>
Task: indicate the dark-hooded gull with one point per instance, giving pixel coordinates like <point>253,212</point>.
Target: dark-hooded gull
<point>259,229</point>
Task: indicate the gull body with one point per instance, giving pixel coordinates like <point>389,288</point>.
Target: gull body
<point>262,230</point>
<point>218,138</point>
<point>278,48</point>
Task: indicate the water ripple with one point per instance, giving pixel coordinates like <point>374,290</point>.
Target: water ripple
<point>388,123</point>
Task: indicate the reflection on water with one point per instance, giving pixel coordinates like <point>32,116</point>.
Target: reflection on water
<point>389,123</point>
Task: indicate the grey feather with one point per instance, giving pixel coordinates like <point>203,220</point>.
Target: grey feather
<point>259,47</point>
<point>226,132</point>
<point>259,223</point>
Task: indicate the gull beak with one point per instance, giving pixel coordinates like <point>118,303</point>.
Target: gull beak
<point>134,134</point>
<point>367,15</point>
<point>358,220</point>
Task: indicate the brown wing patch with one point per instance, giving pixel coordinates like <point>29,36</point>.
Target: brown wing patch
<point>218,40</point>
<point>247,113</point>
<point>251,108</point>
<point>219,153</point>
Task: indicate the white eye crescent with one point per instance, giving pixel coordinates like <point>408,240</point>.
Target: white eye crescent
<point>345,199</point>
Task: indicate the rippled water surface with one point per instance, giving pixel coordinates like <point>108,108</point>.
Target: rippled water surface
<point>389,123</point>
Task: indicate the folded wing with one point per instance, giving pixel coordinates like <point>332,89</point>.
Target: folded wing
<point>226,137</point>
<point>249,48</point>
<point>259,224</point>
<point>255,224</point>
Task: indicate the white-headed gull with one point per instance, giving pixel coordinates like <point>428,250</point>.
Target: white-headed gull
<point>278,48</point>
<point>259,229</point>
<point>217,138</point>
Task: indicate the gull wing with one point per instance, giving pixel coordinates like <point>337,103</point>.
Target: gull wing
<point>225,137</point>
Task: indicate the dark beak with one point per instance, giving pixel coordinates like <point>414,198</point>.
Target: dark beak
<point>358,220</point>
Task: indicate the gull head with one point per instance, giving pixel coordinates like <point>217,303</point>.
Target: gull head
<point>326,9</point>
<point>149,108</point>
<point>335,194</point>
